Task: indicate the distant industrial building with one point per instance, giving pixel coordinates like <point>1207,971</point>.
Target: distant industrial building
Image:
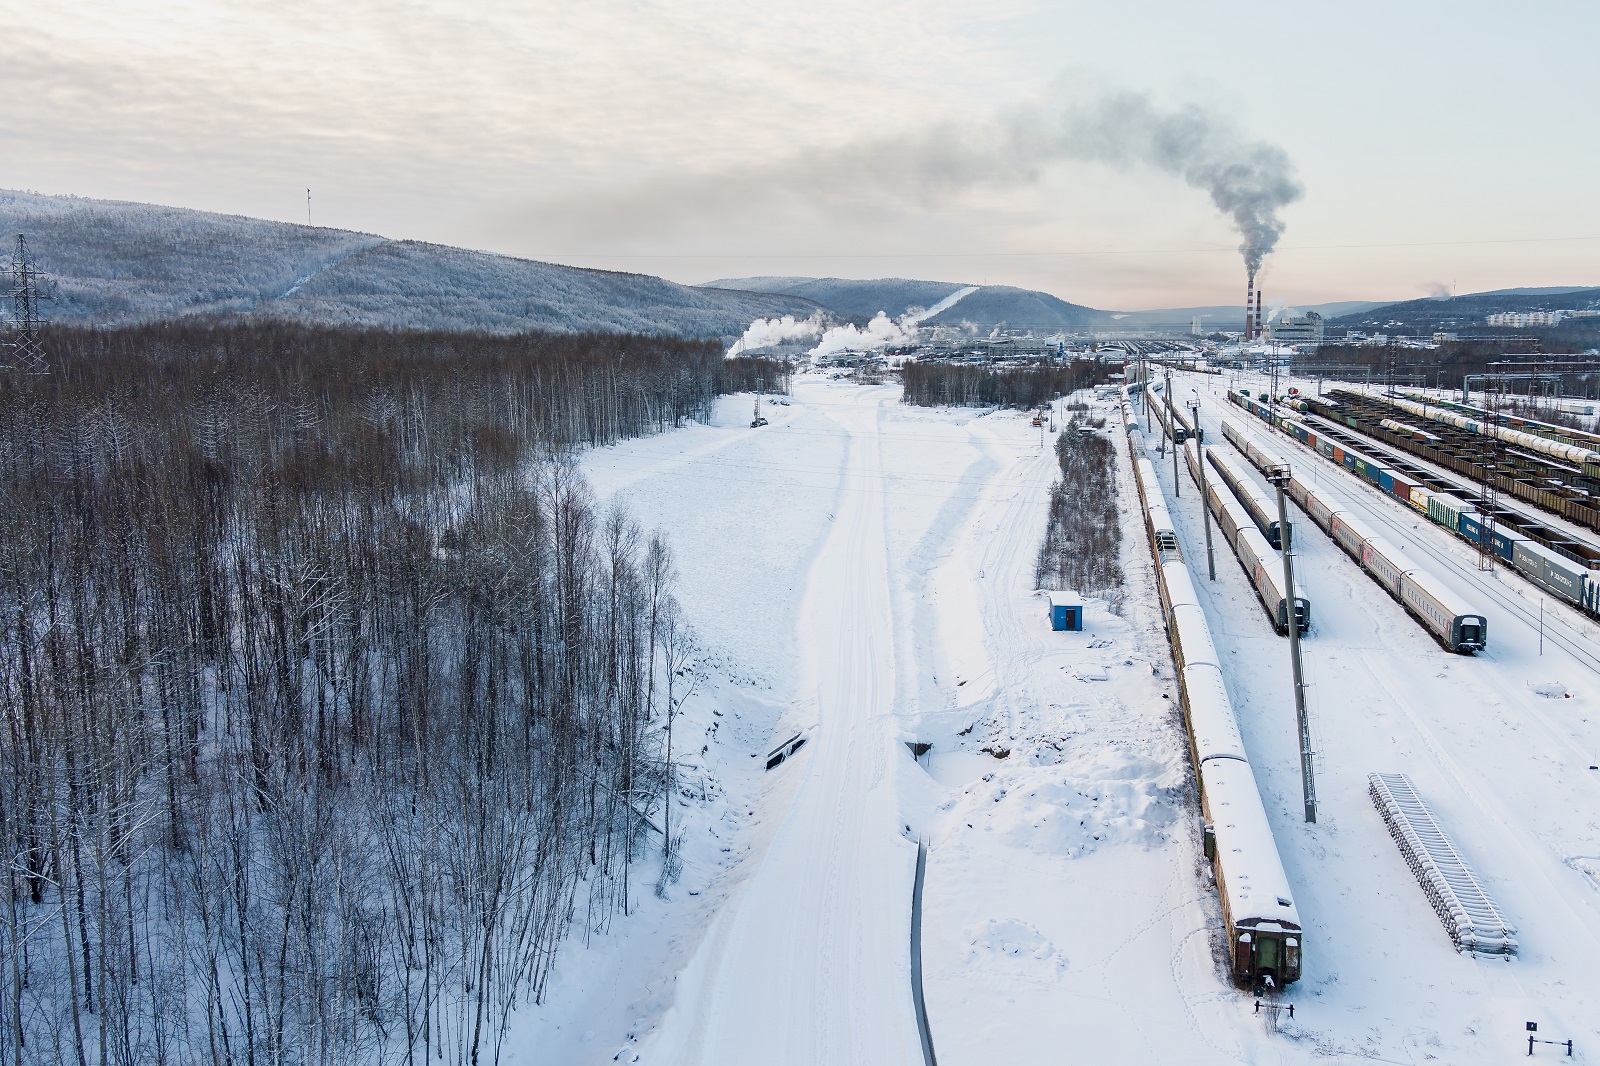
<point>1304,329</point>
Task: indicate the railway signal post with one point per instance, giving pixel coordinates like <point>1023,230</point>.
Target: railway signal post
<point>1279,476</point>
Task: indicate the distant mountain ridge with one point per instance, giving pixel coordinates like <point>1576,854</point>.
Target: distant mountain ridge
<point>987,307</point>
<point>115,262</point>
<point>1442,313</point>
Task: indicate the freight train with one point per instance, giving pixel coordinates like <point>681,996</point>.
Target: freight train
<point>1453,622</point>
<point>1260,921</point>
<point>1563,577</point>
<point>1501,426</point>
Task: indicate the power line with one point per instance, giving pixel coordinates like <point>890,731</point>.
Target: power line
<point>25,352</point>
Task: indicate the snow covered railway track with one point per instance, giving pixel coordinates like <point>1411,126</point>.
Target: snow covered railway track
<point>1470,916</point>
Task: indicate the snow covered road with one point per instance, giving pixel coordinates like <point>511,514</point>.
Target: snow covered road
<point>809,963</point>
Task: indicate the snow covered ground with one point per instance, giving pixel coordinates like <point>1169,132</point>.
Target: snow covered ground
<point>861,572</point>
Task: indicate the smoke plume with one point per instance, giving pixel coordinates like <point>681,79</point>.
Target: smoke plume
<point>1247,179</point>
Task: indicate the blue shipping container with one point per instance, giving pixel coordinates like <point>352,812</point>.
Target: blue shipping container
<point>1504,541</point>
<point>1065,612</point>
<point>1385,479</point>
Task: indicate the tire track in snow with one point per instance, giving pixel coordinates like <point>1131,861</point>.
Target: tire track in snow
<point>809,963</point>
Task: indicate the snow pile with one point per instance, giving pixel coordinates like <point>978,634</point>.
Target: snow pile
<point>1013,947</point>
<point>1057,811</point>
<point>1551,690</point>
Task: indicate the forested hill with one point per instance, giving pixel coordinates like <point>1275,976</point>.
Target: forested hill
<point>1465,311</point>
<point>118,263</point>
<point>986,306</point>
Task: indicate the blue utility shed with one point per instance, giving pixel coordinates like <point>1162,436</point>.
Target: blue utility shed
<point>1066,612</point>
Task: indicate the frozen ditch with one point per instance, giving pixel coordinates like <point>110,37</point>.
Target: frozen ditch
<point>1469,915</point>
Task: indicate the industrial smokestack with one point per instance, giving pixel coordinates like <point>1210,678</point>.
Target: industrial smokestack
<point>1258,313</point>
<point>1249,306</point>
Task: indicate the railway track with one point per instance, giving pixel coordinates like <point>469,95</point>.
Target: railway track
<point>1555,625</point>
<point>1559,489</point>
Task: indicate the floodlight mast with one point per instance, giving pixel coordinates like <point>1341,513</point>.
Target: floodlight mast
<point>1205,498</point>
<point>1279,476</point>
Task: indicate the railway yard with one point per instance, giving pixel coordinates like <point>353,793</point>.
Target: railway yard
<point>1470,692</point>
<point>1118,864</point>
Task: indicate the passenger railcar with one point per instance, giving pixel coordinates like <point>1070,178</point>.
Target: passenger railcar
<point>1261,926</point>
<point>1262,565</point>
<point>1262,511</point>
<point>1258,911</point>
<point>1265,569</point>
<point>1449,619</point>
<point>1174,428</point>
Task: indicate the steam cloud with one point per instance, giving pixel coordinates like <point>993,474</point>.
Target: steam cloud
<point>1248,179</point>
<point>881,332</point>
<point>765,332</point>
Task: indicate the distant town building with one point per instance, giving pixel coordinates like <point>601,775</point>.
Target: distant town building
<point>1524,319</point>
<point>1304,329</point>
<point>1440,338</point>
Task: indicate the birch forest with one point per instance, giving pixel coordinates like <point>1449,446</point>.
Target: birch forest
<point>333,701</point>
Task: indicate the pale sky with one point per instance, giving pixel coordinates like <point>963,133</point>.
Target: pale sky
<point>1437,144</point>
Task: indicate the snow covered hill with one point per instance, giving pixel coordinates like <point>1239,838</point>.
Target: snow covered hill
<point>850,299</point>
<point>988,306</point>
<point>117,262</point>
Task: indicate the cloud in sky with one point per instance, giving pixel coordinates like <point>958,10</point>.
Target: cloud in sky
<point>704,138</point>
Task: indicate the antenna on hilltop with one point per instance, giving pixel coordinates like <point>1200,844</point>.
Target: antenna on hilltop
<point>22,349</point>
<point>308,205</point>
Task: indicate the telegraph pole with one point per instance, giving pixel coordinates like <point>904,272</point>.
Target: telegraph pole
<point>1205,497</point>
<point>1308,783</point>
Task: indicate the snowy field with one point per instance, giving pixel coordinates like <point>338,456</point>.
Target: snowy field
<point>860,572</point>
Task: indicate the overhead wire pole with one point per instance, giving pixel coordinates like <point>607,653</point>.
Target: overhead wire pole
<point>1172,425</point>
<point>1490,459</point>
<point>1279,477</point>
<point>1205,497</point>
